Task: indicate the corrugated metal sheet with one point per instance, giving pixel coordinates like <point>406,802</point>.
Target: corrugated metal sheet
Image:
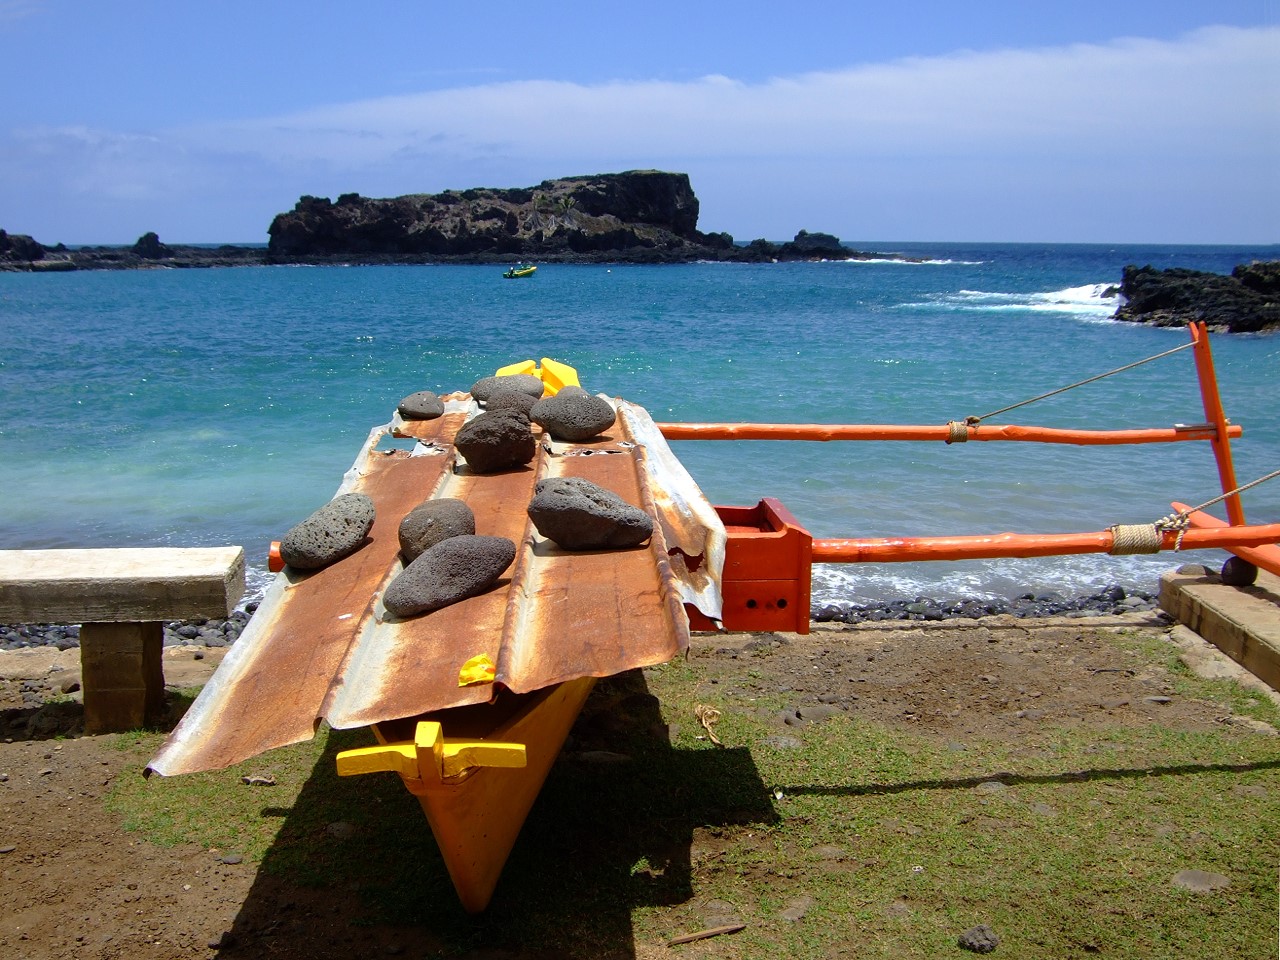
<point>321,646</point>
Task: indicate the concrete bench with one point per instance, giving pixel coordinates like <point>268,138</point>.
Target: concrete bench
<point>121,598</point>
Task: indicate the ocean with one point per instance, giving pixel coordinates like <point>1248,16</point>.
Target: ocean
<point>221,406</point>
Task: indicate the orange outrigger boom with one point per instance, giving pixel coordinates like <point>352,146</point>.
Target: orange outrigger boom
<point>768,554</point>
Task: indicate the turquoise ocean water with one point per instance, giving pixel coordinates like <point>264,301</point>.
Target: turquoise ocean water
<point>218,406</point>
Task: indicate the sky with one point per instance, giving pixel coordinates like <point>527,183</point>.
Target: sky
<point>1125,121</point>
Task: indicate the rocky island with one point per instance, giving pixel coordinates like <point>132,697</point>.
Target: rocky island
<point>642,216</point>
<point>1246,301</point>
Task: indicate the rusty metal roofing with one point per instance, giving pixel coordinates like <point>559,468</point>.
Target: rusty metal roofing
<point>322,647</point>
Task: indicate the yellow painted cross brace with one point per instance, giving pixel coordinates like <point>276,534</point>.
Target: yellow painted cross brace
<point>554,374</point>
<point>431,756</point>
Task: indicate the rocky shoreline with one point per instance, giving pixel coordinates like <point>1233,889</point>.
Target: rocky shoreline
<point>1111,601</point>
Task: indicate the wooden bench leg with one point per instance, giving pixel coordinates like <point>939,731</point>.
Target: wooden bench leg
<point>122,675</point>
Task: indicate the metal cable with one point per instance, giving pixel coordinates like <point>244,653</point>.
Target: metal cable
<point>974,421</point>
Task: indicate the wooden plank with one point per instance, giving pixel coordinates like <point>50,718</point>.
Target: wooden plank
<point>119,585</point>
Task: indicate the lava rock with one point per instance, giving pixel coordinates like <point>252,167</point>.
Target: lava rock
<point>511,400</point>
<point>452,570</point>
<point>580,515</point>
<point>431,522</point>
<point>496,440</point>
<point>483,389</point>
<point>979,939</point>
<point>331,533</point>
<point>573,416</point>
<point>423,405</point>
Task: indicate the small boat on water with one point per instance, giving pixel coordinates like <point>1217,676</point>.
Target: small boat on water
<point>520,270</point>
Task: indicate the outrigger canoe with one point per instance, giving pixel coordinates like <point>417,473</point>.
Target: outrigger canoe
<point>520,271</point>
<point>469,704</point>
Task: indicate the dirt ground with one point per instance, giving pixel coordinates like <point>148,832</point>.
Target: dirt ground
<point>77,884</point>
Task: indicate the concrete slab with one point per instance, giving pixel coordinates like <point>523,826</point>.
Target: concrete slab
<point>1242,622</point>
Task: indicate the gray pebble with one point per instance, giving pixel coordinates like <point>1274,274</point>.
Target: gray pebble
<point>452,570</point>
<point>580,515</point>
<point>331,533</point>
<point>423,405</point>
<point>486,387</point>
<point>496,441</point>
<point>573,416</point>
<point>431,522</point>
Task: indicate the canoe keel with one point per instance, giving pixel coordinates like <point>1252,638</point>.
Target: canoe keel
<point>476,794</point>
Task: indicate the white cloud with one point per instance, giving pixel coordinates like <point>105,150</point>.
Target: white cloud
<point>1128,94</point>
<point>1061,134</point>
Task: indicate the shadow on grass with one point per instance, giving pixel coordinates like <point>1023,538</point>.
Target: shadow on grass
<point>355,866</point>
<point>63,717</point>
<point>1015,779</point>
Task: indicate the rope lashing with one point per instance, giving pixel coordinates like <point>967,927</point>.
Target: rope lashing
<point>955,428</point>
<point>958,430</point>
<point>1131,538</point>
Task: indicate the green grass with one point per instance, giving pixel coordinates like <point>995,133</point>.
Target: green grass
<point>1066,846</point>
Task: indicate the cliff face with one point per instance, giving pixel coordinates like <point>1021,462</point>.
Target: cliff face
<point>1247,301</point>
<point>643,216</point>
<point>639,210</point>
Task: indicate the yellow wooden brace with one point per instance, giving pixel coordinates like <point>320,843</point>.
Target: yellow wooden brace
<point>553,374</point>
<point>431,756</point>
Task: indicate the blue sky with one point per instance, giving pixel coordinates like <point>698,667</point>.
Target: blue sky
<point>1119,121</point>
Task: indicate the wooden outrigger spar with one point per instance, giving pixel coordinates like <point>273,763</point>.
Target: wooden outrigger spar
<point>476,754</point>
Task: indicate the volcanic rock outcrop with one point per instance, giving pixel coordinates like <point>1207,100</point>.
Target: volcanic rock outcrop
<point>329,534</point>
<point>1247,301</point>
<point>638,209</point>
<point>580,515</point>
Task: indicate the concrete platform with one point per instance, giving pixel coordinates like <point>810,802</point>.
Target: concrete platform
<point>1242,622</point>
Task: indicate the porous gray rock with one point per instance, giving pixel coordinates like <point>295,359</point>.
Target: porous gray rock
<point>431,522</point>
<point>979,939</point>
<point>580,515</point>
<point>511,400</point>
<point>486,387</point>
<point>331,533</point>
<point>573,416</point>
<point>452,570</point>
<point>423,405</point>
<point>496,440</point>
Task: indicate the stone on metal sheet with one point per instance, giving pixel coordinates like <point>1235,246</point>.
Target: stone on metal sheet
<point>431,522</point>
<point>496,441</point>
<point>331,533</point>
<point>511,400</point>
<point>423,405</point>
<point>573,415</point>
<point>486,387</point>
<point>452,570</point>
<point>580,515</point>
